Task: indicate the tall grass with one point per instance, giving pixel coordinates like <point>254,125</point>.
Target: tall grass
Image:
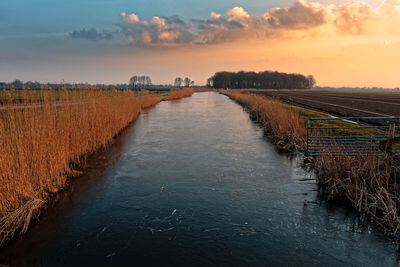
<point>42,147</point>
<point>370,184</point>
<point>285,126</point>
<point>179,93</point>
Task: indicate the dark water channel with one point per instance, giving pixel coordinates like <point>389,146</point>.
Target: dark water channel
<point>195,182</point>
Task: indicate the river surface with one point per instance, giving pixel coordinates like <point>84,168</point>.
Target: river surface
<point>195,182</point>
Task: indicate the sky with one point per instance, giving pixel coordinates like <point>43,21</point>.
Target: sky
<point>341,43</point>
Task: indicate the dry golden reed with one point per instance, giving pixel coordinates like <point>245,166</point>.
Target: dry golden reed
<point>179,93</point>
<point>371,185</point>
<point>285,125</point>
<point>41,147</point>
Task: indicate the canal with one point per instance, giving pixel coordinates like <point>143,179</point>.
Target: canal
<point>196,182</point>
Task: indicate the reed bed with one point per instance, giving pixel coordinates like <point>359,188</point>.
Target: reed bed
<point>284,126</point>
<point>149,100</point>
<point>43,147</point>
<point>204,90</point>
<point>370,184</point>
<point>179,93</point>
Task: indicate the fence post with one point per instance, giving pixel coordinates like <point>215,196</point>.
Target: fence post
<point>392,130</point>
<point>388,145</point>
<point>308,125</point>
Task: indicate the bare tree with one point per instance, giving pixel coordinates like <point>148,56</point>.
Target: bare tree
<point>134,81</point>
<point>311,81</point>
<point>187,81</point>
<point>142,81</point>
<point>210,82</point>
<point>178,82</point>
<point>148,81</point>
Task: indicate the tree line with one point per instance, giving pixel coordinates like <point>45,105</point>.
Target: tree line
<point>187,82</point>
<point>140,81</point>
<point>29,85</point>
<point>260,80</point>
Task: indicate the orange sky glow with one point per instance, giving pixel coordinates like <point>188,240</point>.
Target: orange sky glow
<point>341,43</point>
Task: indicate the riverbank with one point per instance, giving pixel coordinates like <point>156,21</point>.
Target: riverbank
<point>171,190</point>
<point>371,185</point>
<point>42,148</point>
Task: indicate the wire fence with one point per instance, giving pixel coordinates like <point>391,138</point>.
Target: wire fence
<point>353,136</point>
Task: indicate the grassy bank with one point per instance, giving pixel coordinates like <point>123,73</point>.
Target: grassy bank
<point>41,148</point>
<point>371,185</point>
<point>179,93</point>
<point>284,125</point>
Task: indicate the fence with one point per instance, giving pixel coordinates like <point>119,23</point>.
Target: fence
<point>353,136</point>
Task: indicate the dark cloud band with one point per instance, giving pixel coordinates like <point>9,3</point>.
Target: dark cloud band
<point>91,34</point>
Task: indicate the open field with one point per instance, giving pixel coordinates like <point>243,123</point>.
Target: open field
<point>41,148</point>
<point>342,103</point>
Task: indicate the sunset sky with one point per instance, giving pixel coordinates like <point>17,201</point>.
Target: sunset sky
<point>341,43</point>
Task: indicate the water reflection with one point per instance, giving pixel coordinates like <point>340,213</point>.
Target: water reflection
<point>195,182</point>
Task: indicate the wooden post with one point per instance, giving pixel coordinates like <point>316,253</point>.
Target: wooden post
<point>392,130</point>
<point>386,146</point>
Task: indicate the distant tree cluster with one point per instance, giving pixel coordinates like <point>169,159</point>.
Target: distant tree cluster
<point>187,82</point>
<point>260,80</point>
<point>20,85</point>
<point>140,81</point>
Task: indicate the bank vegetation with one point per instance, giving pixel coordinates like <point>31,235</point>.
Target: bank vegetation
<point>46,138</point>
<point>370,184</point>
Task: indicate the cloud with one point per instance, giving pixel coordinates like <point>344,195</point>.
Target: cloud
<point>352,18</point>
<point>235,24</point>
<point>91,34</point>
<point>239,15</point>
<point>214,15</point>
<point>300,15</point>
<point>301,19</point>
<point>157,31</point>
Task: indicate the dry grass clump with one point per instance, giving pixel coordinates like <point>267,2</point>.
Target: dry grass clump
<point>42,147</point>
<point>149,100</point>
<point>177,93</point>
<point>285,125</point>
<point>203,90</point>
<point>369,184</point>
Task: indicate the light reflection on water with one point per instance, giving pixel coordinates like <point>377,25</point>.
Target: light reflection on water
<point>195,182</point>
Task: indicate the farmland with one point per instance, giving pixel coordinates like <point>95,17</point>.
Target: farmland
<point>342,103</point>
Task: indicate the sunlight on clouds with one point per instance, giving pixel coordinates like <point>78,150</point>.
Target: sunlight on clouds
<point>350,44</point>
<point>301,19</point>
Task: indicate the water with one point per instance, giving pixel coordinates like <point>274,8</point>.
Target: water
<point>195,182</point>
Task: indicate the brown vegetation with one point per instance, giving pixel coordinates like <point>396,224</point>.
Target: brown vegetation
<point>203,90</point>
<point>42,147</point>
<point>370,184</point>
<point>179,93</point>
<point>285,126</point>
